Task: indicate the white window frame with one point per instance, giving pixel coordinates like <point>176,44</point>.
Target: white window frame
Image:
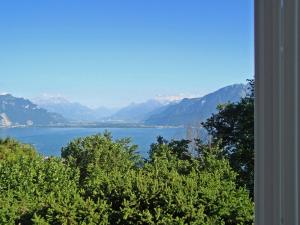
<point>277,112</point>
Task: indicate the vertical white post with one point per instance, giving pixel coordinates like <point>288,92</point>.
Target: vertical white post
<point>277,112</point>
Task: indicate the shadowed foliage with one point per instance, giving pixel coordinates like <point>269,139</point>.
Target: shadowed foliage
<point>233,128</point>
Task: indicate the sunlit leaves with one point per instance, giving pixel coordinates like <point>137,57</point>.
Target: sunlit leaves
<point>102,181</point>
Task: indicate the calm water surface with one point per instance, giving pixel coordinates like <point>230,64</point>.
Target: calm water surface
<point>49,141</point>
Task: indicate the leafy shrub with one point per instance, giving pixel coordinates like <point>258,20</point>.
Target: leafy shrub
<point>102,181</point>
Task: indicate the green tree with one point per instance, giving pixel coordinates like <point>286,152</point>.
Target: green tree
<point>39,190</point>
<point>102,181</point>
<point>180,148</point>
<point>233,128</point>
<point>100,151</point>
<point>11,149</point>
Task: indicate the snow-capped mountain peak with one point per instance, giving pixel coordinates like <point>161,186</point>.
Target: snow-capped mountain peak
<point>50,99</point>
<point>166,99</point>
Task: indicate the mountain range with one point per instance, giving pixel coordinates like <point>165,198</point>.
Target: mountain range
<point>155,112</point>
<point>22,112</point>
<point>139,112</point>
<point>73,111</point>
<point>195,110</point>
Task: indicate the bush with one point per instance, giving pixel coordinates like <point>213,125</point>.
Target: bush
<point>101,181</point>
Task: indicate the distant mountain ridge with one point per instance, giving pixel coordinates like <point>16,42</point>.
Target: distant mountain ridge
<point>137,112</point>
<point>133,113</point>
<point>73,110</point>
<point>16,111</point>
<point>195,110</point>
<point>154,112</point>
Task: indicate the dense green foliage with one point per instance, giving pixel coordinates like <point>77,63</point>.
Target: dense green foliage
<point>233,128</point>
<point>102,181</point>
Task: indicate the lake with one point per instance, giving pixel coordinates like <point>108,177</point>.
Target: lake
<point>48,141</point>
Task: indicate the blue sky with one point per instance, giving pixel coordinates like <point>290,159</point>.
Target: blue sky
<point>114,52</point>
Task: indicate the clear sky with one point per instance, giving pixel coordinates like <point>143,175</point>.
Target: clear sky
<point>113,52</point>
